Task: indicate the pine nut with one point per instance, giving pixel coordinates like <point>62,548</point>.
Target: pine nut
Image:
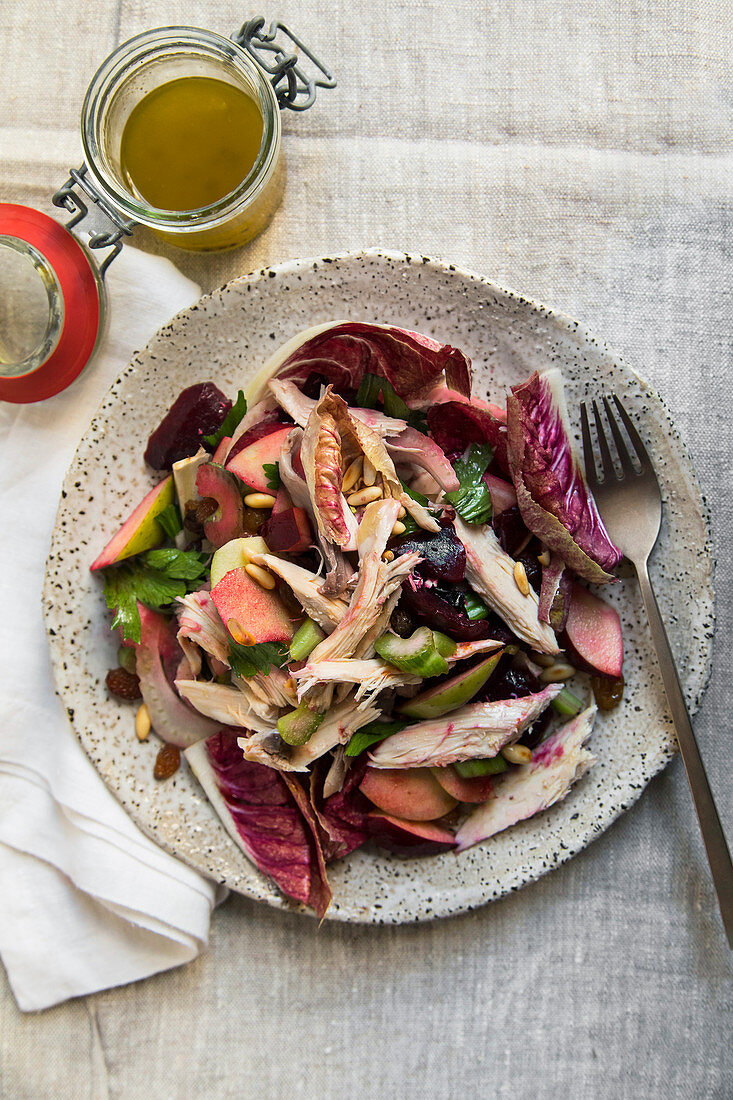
<point>142,722</point>
<point>517,754</point>
<point>544,659</point>
<point>544,558</point>
<point>259,500</point>
<point>370,474</point>
<point>365,496</point>
<point>402,512</point>
<point>388,555</point>
<point>352,475</point>
<point>520,578</point>
<point>398,529</point>
<point>557,672</point>
<point>240,635</point>
<point>263,578</point>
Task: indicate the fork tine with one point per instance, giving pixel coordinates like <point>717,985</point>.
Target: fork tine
<point>588,456</point>
<point>641,451</point>
<point>627,465</point>
<point>607,467</point>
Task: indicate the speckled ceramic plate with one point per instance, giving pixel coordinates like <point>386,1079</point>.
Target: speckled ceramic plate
<point>226,337</point>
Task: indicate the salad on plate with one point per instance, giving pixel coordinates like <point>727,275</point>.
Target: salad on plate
<point>358,603</point>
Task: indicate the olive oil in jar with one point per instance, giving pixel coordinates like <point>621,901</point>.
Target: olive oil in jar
<point>190,142</point>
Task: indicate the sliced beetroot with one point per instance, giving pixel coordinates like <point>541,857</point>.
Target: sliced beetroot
<point>407,791</point>
<point>593,629</point>
<point>227,522</point>
<point>197,412</point>
<point>443,554</point>
<point>287,532</point>
<point>455,424</point>
<point>510,530</point>
<point>269,424</point>
<point>410,838</point>
<point>443,608</point>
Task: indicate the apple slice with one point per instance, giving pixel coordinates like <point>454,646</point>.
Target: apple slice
<point>593,629</point>
<point>247,465</point>
<point>222,450</point>
<point>141,530</point>
<point>406,792</point>
<point>227,522</point>
<point>478,788</point>
<point>235,555</point>
<point>255,610</point>
<point>409,838</point>
<point>451,693</point>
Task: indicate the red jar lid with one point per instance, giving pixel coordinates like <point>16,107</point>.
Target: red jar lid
<point>75,306</point>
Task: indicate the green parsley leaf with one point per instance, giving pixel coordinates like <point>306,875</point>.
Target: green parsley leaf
<point>230,422</point>
<point>473,500</point>
<point>372,733</point>
<point>155,579</point>
<point>272,473</point>
<point>248,660</point>
<point>170,520</point>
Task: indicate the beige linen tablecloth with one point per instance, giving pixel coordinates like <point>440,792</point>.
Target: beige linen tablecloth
<point>581,154</point>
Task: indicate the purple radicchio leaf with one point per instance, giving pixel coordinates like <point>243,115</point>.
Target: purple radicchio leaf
<point>343,816</point>
<point>555,502</point>
<point>261,815</point>
<point>455,424</point>
<point>343,353</point>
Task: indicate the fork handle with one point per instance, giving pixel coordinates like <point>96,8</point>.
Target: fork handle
<point>712,831</point>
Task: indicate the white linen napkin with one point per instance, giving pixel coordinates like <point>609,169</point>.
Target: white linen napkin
<point>86,901</point>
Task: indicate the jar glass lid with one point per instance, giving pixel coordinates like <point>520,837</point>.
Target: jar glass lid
<point>50,305</point>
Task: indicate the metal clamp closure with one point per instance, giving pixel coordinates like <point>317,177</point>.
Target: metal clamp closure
<point>66,198</point>
<point>298,93</point>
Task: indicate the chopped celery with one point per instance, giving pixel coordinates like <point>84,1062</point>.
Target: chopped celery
<point>417,654</point>
<point>305,640</point>
<point>475,608</point>
<point>298,726</point>
<point>566,704</point>
<point>467,769</point>
<point>445,646</point>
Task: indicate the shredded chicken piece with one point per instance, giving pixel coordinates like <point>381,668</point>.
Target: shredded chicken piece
<point>490,572</point>
<point>224,704</point>
<point>266,694</point>
<point>200,627</point>
<point>372,675</point>
<point>378,580</point>
<point>474,731</point>
<point>558,763</point>
<point>267,747</point>
<point>327,611</point>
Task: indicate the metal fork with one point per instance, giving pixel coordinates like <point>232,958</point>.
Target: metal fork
<point>631,507</point>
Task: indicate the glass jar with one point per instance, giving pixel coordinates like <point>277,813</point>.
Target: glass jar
<point>143,64</point>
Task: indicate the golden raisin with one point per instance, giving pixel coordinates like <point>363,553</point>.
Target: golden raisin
<point>167,761</point>
<point>608,691</point>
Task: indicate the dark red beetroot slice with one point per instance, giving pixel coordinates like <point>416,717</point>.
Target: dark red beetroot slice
<point>227,522</point>
<point>269,424</point>
<point>410,838</point>
<point>443,554</point>
<point>197,412</point>
<point>455,424</point>
<point>403,791</point>
<point>478,788</point>
<point>593,629</point>
<point>287,532</point>
<point>430,607</point>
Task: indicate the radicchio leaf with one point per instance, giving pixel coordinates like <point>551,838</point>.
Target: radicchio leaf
<point>344,352</point>
<point>321,454</point>
<point>343,816</point>
<point>455,424</point>
<point>554,594</point>
<point>261,815</point>
<point>412,446</point>
<point>555,502</point>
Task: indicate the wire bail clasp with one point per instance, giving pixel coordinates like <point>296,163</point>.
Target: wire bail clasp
<point>298,93</point>
<point>101,235</point>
